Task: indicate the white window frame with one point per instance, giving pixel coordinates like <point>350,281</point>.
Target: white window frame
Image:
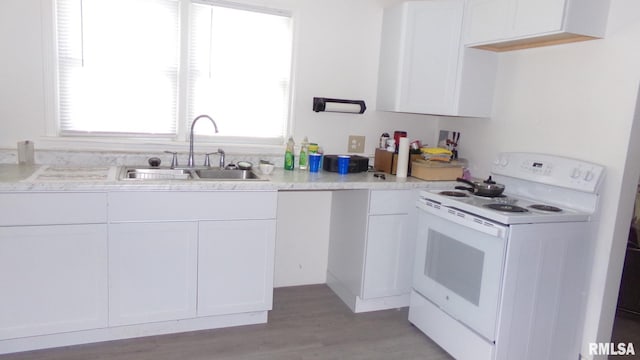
<point>53,138</point>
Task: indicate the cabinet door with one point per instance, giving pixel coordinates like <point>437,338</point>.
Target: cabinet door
<point>532,17</point>
<point>389,256</point>
<point>501,20</point>
<point>430,69</point>
<point>54,279</point>
<point>424,67</point>
<point>152,272</point>
<point>235,266</point>
<point>487,20</point>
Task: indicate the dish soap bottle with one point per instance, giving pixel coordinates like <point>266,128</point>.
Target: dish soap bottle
<point>288,155</point>
<point>304,152</point>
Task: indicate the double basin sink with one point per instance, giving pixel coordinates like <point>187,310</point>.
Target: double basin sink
<point>211,174</point>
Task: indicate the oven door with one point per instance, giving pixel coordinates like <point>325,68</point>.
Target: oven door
<point>458,266</point>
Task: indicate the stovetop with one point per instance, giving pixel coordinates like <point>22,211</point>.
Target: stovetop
<point>534,184</point>
<point>507,209</point>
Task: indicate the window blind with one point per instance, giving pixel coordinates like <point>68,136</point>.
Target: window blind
<point>118,66</point>
<point>239,70</point>
<point>120,71</point>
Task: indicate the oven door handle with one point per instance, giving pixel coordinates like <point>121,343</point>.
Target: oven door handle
<point>464,219</point>
<point>476,223</point>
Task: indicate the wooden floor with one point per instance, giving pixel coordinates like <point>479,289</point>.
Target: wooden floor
<point>626,329</point>
<point>307,322</point>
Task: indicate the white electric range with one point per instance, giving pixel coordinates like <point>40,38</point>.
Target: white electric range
<point>504,277</point>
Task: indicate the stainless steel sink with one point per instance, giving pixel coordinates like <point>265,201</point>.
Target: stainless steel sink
<point>210,174</point>
<point>155,174</point>
<point>224,174</point>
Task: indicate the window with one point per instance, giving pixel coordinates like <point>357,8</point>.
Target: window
<point>124,68</point>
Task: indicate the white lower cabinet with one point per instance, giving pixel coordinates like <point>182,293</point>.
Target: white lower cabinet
<point>235,266</point>
<point>187,255</point>
<point>54,279</point>
<point>371,244</point>
<point>387,270</point>
<point>152,272</point>
<point>160,271</point>
<point>121,264</point>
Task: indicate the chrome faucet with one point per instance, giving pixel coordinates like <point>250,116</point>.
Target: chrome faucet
<point>191,163</point>
<point>207,160</point>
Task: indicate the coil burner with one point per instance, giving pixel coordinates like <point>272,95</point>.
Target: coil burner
<point>453,193</point>
<point>506,208</point>
<point>487,196</point>
<point>543,207</point>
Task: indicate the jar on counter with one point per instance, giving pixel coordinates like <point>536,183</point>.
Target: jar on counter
<point>383,141</point>
<point>391,145</point>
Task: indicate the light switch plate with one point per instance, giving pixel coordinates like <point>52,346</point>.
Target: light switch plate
<point>356,144</point>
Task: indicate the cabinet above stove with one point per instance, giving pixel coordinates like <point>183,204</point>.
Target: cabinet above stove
<point>503,25</point>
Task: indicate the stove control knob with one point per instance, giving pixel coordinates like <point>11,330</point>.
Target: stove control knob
<point>588,176</point>
<point>576,173</point>
<point>501,161</point>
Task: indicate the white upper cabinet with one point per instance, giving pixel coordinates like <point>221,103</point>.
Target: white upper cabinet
<point>501,25</point>
<point>425,68</point>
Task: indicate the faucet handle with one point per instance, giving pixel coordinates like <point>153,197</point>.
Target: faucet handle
<point>174,160</point>
<point>222,155</point>
<point>207,161</point>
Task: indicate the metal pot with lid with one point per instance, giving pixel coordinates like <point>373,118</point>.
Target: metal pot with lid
<point>486,188</point>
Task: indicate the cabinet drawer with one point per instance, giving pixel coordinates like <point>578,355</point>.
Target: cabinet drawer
<point>52,208</point>
<point>392,201</point>
<point>190,205</point>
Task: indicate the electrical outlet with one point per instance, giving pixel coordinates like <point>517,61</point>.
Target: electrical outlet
<point>356,144</point>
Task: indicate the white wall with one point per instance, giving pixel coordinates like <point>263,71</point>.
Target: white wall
<point>575,100</point>
<point>21,89</point>
<point>335,55</point>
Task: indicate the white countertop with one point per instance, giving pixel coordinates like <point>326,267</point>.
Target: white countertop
<point>100,178</point>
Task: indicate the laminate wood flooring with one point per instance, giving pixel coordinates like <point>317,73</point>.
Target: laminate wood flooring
<point>306,323</point>
<point>626,329</point>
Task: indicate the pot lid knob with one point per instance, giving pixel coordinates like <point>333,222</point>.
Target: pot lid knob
<point>489,181</point>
